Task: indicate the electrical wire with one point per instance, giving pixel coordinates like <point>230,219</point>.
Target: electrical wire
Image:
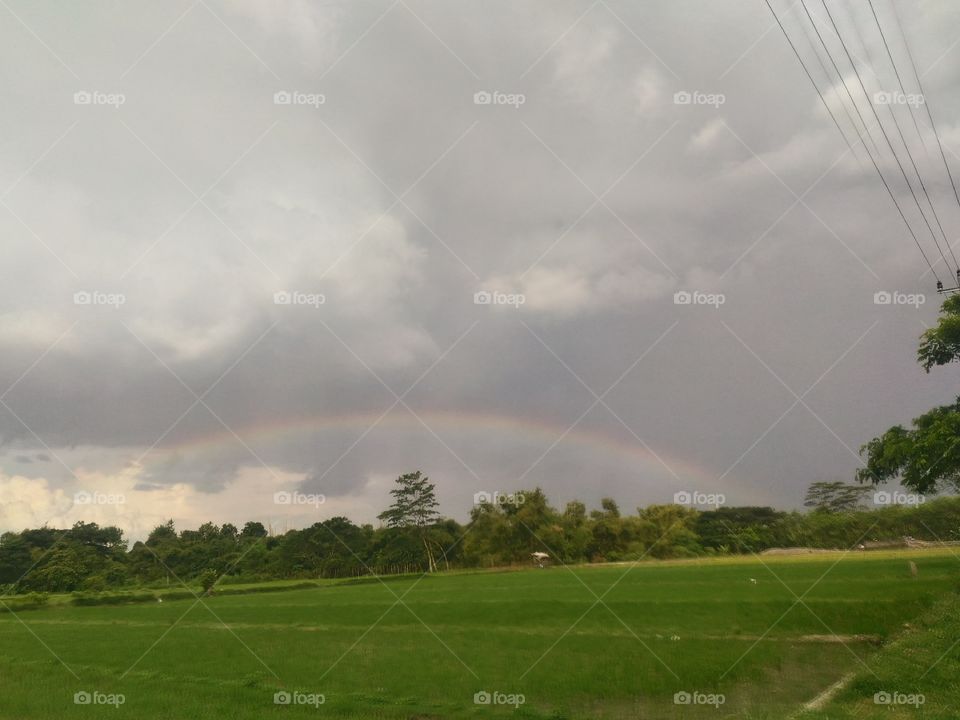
<point>886,137</point>
<point>926,105</point>
<point>886,185</point>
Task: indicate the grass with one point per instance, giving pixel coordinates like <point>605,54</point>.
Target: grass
<point>422,648</point>
<point>922,664</point>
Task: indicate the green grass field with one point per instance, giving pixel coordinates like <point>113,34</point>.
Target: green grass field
<point>422,648</point>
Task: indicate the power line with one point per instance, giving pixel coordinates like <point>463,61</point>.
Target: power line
<point>933,125</point>
<point>903,90</point>
<point>923,186</point>
<point>893,197</point>
<point>884,132</point>
<point>843,82</point>
<point>874,160</point>
<point>815,86</point>
<point>826,73</point>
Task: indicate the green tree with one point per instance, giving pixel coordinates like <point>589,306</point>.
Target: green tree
<point>577,534</point>
<point>253,530</point>
<point>925,458</point>
<point>667,531</point>
<point>208,578</point>
<point>940,344</point>
<point>484,544</point>
<point>742,529</point>
<point>834,496</point>
<point>609,536</point>
<point>414,507</point>
<point>15,558</point>
<point>162,533</point>
<point>532,525</point>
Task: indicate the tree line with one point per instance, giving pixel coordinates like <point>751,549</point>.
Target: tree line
<point>413,537</point>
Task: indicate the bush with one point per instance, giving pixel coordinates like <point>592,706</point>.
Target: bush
<point>208,578</point>
<point>111,598</point>
<point>30,601</point>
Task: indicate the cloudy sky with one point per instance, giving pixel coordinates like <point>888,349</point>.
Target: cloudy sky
<point>243,244</point>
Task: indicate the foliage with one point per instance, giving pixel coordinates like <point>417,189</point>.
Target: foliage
<point>834,496</point>
<point>925,458</point>
<point>414,510</point>
<point>208,578</point>
<point>95,563</point>
<point>940,344</point>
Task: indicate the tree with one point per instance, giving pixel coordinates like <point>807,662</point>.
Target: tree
<point>14,558</point>
<point>484,545</point>
<point>834,496</point>
<point>667,530</point>
<point>532,525</point>
<point>162,533</point>
<point>62,571</point>
<point>577,534</point>
<point>940,344</point>
<point>208,578</point>
<point>415,507</point>
<point>926,457</point>
<point>742,529</point>
<point>253,529</point>
<point>609,536</point>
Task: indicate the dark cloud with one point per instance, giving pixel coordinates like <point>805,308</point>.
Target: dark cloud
<point>397,199</point>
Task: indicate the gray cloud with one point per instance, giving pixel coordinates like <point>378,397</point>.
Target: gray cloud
<point>397,199</point>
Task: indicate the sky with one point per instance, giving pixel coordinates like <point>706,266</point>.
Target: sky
<point>262,258</point>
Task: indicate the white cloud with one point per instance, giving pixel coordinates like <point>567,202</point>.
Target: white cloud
<point>708,136</point>
<point>648,90</point>
<point>123,500</point>
<point>580,60</point>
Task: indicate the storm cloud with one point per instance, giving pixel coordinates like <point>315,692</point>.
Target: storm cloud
<point>253,247</point>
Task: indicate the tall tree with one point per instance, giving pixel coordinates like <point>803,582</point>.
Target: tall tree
<point>925,458</point>
<point>415,507</point>
<point>834,496</point>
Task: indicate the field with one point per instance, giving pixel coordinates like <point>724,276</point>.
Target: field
<point>614,641</point>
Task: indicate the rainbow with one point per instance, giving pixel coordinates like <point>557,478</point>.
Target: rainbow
<point>538,433</point>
